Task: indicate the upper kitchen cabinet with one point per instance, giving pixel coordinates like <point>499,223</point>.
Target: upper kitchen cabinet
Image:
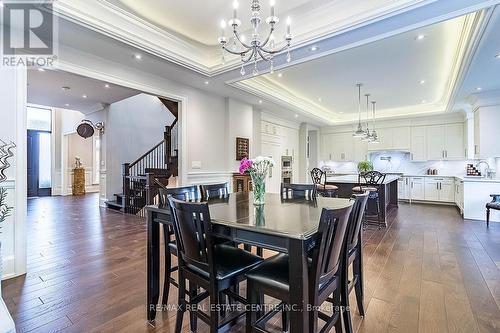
<point>486,121</point>
<point>338,147</point>
<point>418,147</point>
<point>397,138</point>
<point>435,142</point>
<point>438,142</point>
<point>454,141</point>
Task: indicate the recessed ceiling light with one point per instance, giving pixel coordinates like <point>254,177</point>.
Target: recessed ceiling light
<point>137,56</point>
<point>314,48</point>
<point>296,115</point>
<point>497,56</point>
<point>260,101</point>
<point>320,100</point>
<point>207,82</point>
<point>84,96</point>
<point>66,104</point>
<point>479,88</point>
<point>420,37</point>
<point>106,85</point>
<point>422,81</point>
<point>280,74</point>
<point>39,69</point>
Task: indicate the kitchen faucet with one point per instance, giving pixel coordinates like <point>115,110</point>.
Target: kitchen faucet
<point>488,171</point>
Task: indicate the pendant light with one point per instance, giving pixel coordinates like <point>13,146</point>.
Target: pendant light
<point>367,137</point>
<point>374,132</point>
<point>359,132</point>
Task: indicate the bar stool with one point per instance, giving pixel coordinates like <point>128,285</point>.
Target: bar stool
<point>371,181</point>
<point>319,179</point>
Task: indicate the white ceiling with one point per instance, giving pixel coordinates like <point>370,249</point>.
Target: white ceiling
<point>484,70</point>
<point>390,69</point>
<point>45,88</point>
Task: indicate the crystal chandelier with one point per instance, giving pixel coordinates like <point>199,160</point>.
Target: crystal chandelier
<point>374,136</point>
<point>359,132</point>
<point>257,48</point>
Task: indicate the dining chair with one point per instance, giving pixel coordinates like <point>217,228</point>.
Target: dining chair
<point>318,177</point>
<point>371,181</point>
<point>213,191</point>
<point>271,277</point>
<point>213,267</point>
<point>298,191</point>
<point>354,257</point>
<point>494,204</point>
<point>186,193</point>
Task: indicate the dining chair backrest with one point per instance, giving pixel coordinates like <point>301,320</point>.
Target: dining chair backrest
<point>214,191</point>
<point>317,176</point>
<point>298,191</point>
<point>192,228</point>
<point>356,219</point>
<point>374,178</point>
<point>186,193</point>
<point>330,241</point>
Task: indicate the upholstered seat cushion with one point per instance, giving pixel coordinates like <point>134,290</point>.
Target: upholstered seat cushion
<point>493,205</point>
<point>230,261</point>
<point>362,189</point>
<point>273,273</point>
<point>326,187</point>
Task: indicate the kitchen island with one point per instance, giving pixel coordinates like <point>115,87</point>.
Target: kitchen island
<point>388,192</point>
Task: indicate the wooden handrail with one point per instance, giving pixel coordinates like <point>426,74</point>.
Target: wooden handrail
<point>146,153</point>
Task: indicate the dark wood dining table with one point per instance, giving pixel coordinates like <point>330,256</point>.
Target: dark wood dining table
<point>282,225</point>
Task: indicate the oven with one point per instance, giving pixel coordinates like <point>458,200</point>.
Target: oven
<point>286,169</point>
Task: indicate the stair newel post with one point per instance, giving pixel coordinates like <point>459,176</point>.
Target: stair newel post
<point>168,145</point>
<point>126,186</point>
<point>150,187</point>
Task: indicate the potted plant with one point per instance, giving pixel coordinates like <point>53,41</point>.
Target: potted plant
<point>365,166</point>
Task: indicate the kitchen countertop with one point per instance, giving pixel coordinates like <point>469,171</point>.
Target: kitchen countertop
<point>353,179</point>
<point>462,178</point>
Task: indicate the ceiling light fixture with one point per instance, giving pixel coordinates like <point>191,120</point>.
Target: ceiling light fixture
<point>257,48</point>
<point>359,132</point>
<point>207,82</point>
<point>424,101</point>
<point>66,104</point>
<point>367,137</point>
<point>422,81</point>
<point>41,69</point>
<point>106,85</point>
<point>260,101</point>
<point>420,37</point>
<point>497,56</point>
<point>137,56</point>
<point>314,48</point>
<point>479,88</point>
<point>84,96</point>
<point>296,115</point>
<point>320,100</point>
<point>374,138</point>
<point>280,74</point>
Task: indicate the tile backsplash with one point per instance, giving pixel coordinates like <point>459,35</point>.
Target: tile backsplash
<point>400,162</point>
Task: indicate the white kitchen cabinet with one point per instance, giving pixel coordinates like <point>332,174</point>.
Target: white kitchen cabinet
<point>385,137</point>
<point>360,151</point>
<point>435,142</point>
<point>404,188</point>
<point>439,189</point>
<point>401,138</point>
<point>454,142</point>
<point>338,147</point>
<point>417,188</point>
<point>459,194</point>
<point>418,143</point>
<point>486,120</point>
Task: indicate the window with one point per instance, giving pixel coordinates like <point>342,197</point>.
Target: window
<point>39,119</point>
<point>44,156</point>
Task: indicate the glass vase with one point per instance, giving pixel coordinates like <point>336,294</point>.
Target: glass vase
<point>259,188</point>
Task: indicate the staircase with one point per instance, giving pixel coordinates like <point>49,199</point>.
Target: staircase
<point>143,177</point>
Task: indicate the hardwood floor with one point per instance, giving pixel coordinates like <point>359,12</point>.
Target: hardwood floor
<point>427,272</point>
